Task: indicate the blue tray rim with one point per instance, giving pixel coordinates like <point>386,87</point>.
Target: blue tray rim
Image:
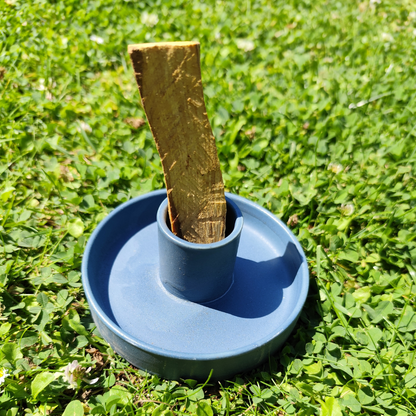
<point>263,214</point>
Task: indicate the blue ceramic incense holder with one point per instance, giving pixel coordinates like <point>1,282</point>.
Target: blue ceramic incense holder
<point>180,309</point>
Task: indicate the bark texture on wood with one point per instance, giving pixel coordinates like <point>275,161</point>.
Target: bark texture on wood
<point>169,79</point>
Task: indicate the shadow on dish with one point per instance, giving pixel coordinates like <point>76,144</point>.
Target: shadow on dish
<point>258,286</point>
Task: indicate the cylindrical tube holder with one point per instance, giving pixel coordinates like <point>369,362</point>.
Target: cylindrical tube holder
<point>198,272</point>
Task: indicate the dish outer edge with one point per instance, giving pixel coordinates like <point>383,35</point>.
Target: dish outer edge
<point>293,317</point>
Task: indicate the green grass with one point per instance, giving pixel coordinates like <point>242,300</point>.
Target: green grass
<point>313,108</point>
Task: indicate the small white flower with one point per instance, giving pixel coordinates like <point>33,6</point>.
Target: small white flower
<point>3,374</point>
<point>387,37</point>
<point>149,19</point>
<point>71,373</point>
<point>41,85</point>
<point>335,167</point>
<point>97,39</point>
<point>412,15</point>
<point>245,44</point>
<point>347,209</point>
<point>74,374</point>
<point>85,126</point>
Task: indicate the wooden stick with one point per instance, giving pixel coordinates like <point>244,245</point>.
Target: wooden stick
<point>169,79</point>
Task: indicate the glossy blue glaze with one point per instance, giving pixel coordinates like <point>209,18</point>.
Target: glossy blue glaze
<point>198,272</point>
<point>177,338</point>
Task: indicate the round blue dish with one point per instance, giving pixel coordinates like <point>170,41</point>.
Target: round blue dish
<point>176,338</point>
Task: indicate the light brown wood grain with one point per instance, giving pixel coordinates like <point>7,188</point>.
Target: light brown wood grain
<point>169,79</point>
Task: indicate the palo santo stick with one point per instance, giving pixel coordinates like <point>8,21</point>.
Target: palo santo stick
<point>169,78</point>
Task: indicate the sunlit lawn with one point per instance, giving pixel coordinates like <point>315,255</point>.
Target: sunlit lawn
<point>313,108</point>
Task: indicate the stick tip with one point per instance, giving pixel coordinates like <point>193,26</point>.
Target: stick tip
<point>160,45</point>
